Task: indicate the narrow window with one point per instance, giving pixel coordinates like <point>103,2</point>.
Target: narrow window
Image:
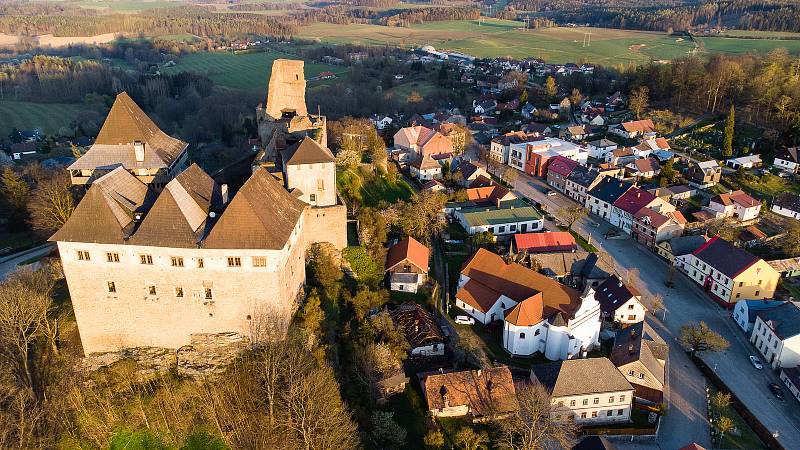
<point>199,263</point>
<point>177,261</point>
<point>112,257</point>
<point>522,335</point>
<point>619,412</point>
<point>112,288</point>
<point>83,256</point>
<point>609,412</point>
<point>596,401</point>
<point>179,292</point>
<point>320,184</point>
<point>594,414</point>
<point>611,399</point>
<point>585,401</point>
<point>583,415</point>
<point>234,261</point>
<point>259,261</point>
<point>146,259</point>
<point>621,398</point>
<point>208,294</point>
<point>312,197</point>
<point>572,403</point>
<point>151,290</point>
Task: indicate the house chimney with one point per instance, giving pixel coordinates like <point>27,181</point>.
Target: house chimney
<point>224,192</point>
<point>138,150</point>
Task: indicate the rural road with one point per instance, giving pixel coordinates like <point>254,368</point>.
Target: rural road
<point>10,263</point>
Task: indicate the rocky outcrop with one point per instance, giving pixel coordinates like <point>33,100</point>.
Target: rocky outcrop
<point>207,354</point>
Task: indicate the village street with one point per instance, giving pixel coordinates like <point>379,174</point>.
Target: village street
<point>685,304</point>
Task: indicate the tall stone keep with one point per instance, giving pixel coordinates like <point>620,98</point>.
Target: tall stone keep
<point>287,90</point>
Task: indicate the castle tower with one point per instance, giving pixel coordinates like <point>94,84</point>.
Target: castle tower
<point>287,90</point>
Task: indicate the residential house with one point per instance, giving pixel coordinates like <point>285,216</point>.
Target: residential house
<point>528,111</point>
<point>681,192</point>
<point>407,265</point>
<point>619,303</point>
<point>485,106</point>
<point>580,181</point>
<point>129,138</point>
<point>788,268</point>
<point>728,273</point>
<point>501,145</point>
<point>546,242</point>
<point>423,141</point>
<point>791,378</point>
<point>455,132</point>
<point>380,121</point>
<point>735,204</point>
<point>574,133</point>
<point>621,156</point>
<point>481,394</point>
<point>751,236</point>
<point>641,356</point>
<point>745,312</point>
<point>593,115</point>
<point>627,205</point>
<point>469,172</point>
<point>679,246</point>
<point>600,148</point>
<point>533,157</point>
<point>776,335</point>
<point>704,174</point>
<point>425,168</point>
<point>744,162</point>
<point>577,269</point>
<point>634,129</point>
<point>644,168</point>
<point>539,314</point>
<point>481,181</point>
<point>787,205</point>
<point>558,170</point>
<point>651,227</point>
<point>600,199</point>
<point>433,186</point>
<point>505,219</point>
<point>650,147</point>
<point>787,160</point>
<point>492,195</point>
<point>538,129</point>
<point>587,391</point>
<point>419,328</point>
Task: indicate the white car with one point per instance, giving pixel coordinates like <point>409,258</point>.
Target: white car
<point>756,362</point>
<point>550,193</point>
<point>464,320</point>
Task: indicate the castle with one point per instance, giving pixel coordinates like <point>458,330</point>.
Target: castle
<point>151,266</point>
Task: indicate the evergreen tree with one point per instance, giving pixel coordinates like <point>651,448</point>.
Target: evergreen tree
<point>727,143</point>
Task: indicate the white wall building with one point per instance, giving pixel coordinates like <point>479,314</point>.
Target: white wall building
<point>776,335</point>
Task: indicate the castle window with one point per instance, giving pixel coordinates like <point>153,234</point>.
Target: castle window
<point>112,257</point>
<point>259,261</point>
<point>179,292</point>
<point>83,255</point>
<point>146,259</point>
<point>320,184</point>
<point>631,306</point>
<point>199,263</point>
<point>596,401</point>
<point>112,288</point>
<point>611,399</point>
<point>522,335</point>
<point>177,261</point>
<point>234,261</point>
<point>151,290</point>
<point>312,197</point>
<point>208,293</point>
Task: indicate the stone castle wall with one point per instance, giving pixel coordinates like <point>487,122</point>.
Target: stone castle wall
<point>327,224</point>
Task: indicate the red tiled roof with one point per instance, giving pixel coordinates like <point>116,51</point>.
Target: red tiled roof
<point>634,199</point>
<point>561,165</point>
<point>642,126</point>
<point>490,194</point>
<point>551,241</point>
<point>408,249</point>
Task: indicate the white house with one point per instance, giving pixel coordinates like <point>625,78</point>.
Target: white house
<point>776,335</point>
<point>507,218</point>
<point>735,204</point>
<point>791,378</point>
<point>744,162</point>
<point>787,205</point>
<point>589,391</point>
<point>380,121</point>
<point>600,199</point>
<point>634,129</point>
<point>744,312</point>
<point>600,148</point>
<point>618,302</point>
<point>407,265</point>
<point>787,160</point>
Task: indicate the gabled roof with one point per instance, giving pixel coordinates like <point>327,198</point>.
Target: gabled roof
<point>408,249</point>
<point>654,218</point>
<point>486,391</point>
<point>707,165</point>
<point>789,200</point>
<point>178,216</point>
<point>526,313</point>
<point>549,241</point>
<point>738,197</point>
<point>481,181</point>
<point>108,211</point>
<point>725,257</point>
<point>639,126</point>
<point>261,215</point>
<point>647,165</point>
<point>466,168</point>
<point>784,320</point>
<point>583,176</point>
<point>594,443</point>
<point>788,154</point>
<point>603,143</point>
<point>125,124</point>
<point>417,325</point>
<point>561,165</point>
<point>633,200</point>
<point>613,293</point>
<point>639,342</point>
<point>609,189</point>
<point>307,151</point>
<point>684,245</point>
<point>488,194</point>
<point>580,377</point>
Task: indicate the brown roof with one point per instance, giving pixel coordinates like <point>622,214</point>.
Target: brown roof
<point>486,392</point>
<point>646,165</point>
<point>580,377</point>
<point>481,181</point>
<point>490,194</point>
<point>107,211</point>
<point>489,274</point>
<point>411,250</point>
<point>179,215</point>
<point>417,325</point>
<point>261,215</point>
<point>739,197</point>
<point>127,123</point>
<point>307,151</point>
<point>640,343</point>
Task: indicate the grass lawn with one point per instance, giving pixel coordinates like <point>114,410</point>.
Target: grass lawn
<point>493,38</point>
<point>375,188</point>
<point>583,242</point>
<point>743,437</point>
<point>454,263</point>
<point>765,187</point>
<point>27,115</point>
<point>423,88</point>
<point>738,45</point>
<point>410,412</point>
<point>127,5</point>
<point>241,71</point>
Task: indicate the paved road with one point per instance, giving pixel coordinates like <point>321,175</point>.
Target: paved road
<point>686,303</point>
<point>10,263</point>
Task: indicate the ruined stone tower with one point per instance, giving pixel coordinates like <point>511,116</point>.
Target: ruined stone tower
<point>287,90</point>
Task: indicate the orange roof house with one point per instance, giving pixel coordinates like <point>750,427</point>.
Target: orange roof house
<point>493,194</point>
<point>477,393</point>
<point>547,242</point>
<point>409,251</point>
<point>423,140</point>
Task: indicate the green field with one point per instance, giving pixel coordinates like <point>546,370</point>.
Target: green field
<point>493,38</point>
<point>26,116</point>
<point>242,71</point>
<point>737,45</point>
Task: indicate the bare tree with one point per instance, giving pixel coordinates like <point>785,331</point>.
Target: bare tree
<point>640,97</point>
<point>724,424</point>
<point>571,214</point>
<point>510,175</point>
<point>699,338</point>
<point>657,302</point>
<point>52,202</point>
<point>539,425</point>
<point>721,400</point>
<point>469,439</point>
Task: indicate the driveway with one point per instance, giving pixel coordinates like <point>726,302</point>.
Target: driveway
<point>10,263</point>
<point>685,304</point>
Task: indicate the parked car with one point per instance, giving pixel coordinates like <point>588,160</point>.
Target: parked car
<point>594,224</point>
<point>776,390</point>
<point>756,362</point>
<point>550,192</point>
<point>465,320</point>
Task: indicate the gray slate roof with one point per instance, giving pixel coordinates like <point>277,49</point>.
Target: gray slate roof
<point>785,319</point>
<point>581,376</point>
<point>683,245</point>
<point>639,342</point>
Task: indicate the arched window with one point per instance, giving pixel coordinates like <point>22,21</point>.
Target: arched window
<point>522,335</point>
<point>537,332</point>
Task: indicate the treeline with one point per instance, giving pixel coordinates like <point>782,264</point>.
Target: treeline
<point>266,6</point>
<point>414,16</point>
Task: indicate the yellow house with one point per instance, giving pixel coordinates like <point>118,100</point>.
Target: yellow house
<point>728,273</point>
